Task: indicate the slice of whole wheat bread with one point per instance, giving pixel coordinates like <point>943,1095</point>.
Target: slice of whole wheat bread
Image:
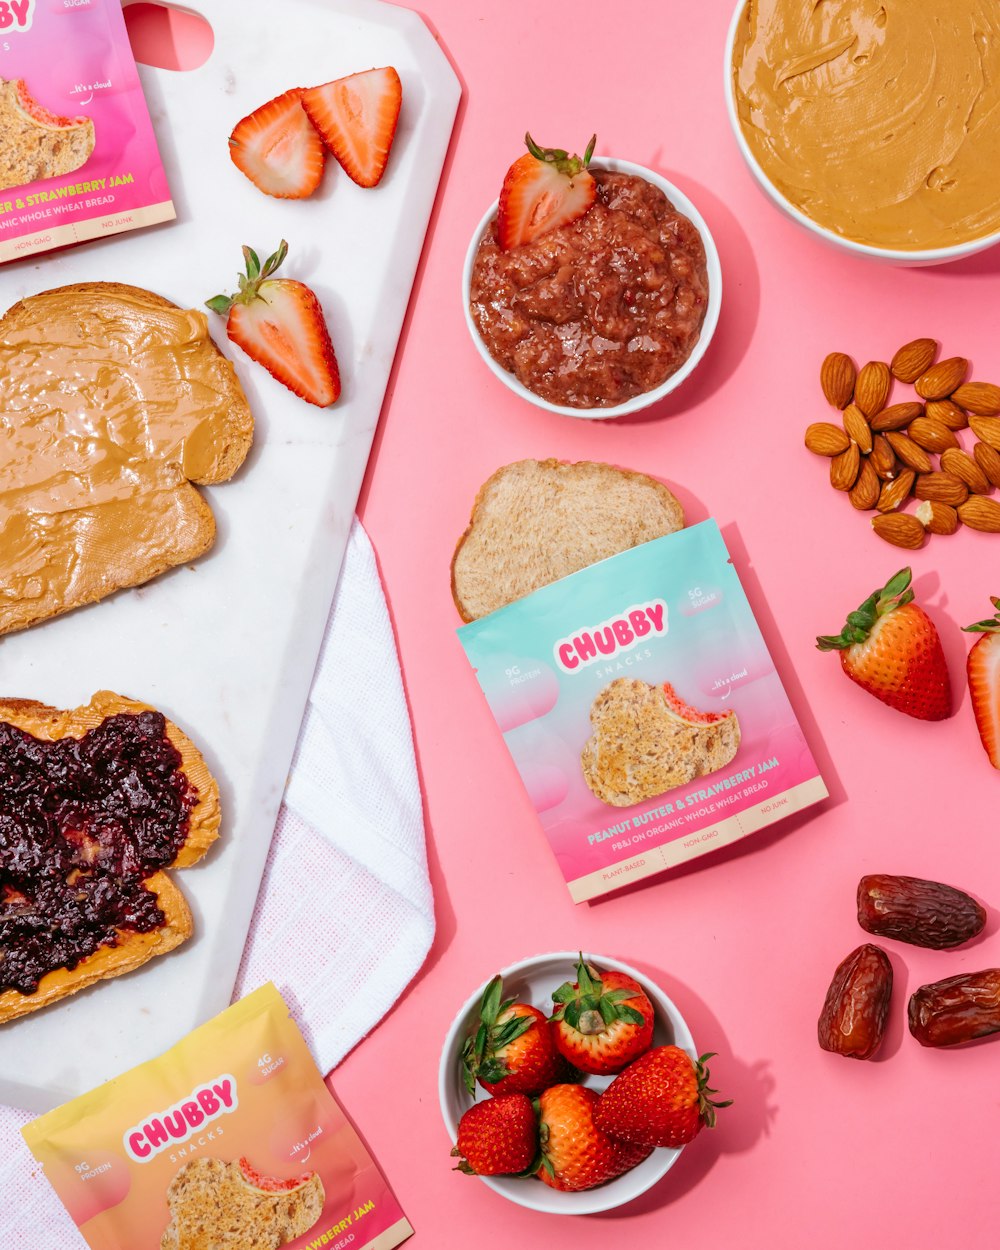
<point>643,745</point>
<point>536,521</point>
<point>32,149</point>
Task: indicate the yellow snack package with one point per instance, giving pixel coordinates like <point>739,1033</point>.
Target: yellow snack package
<point>230,1140</point>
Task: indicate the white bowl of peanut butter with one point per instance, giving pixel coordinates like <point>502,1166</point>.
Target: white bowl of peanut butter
<point>869,121</point>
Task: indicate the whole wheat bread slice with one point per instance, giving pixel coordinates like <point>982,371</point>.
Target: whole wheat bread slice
<point>33,148</point>
<point>645,742</point>
<point>212,1207</point>
<point>536,521</point>
<point>131,948</point>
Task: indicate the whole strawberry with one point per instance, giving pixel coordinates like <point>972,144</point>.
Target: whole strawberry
<point>660,1100</point>
<point>891,648</point>
<point>603,1020</point>
<point>513,1050</point>
<point>576,1153</point>
<point>498,1137</point>
<point>983,670</point>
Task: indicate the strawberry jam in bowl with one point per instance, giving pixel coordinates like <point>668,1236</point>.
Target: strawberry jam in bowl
<point>591,291</point>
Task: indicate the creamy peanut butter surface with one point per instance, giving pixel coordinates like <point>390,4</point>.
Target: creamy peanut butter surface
<point>878,119</point>
<point>112,401</point>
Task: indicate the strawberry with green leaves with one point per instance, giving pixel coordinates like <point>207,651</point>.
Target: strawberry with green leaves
<point>983,671</point>
<point>279,323</point>
<point>498,1137</point>
<point>891,648</point>
<point>663,1099</point>
<point>513,1049</point>
<point>576,1153</point>
<point>543,190</point>
<point>603,1020</point>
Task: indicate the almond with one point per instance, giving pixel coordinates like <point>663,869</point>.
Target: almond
<point>883,458</point>
<point>988,459</point>
<point>901,529</point>
<point>947,413</point>
<point>941,379</point>
<point>872,387</point>
<point>982,398</point>
<point>895,493</point>
<point>909,452</point>
<point>845,467</point>
<point>987,429</point>
<point>979,513</point>
<point>866,490</point>
<point>858,428</point>
<point>942,488</point>
<point>826,439</point>
<point>931,435</point>
<point>913,359</point>
<point>896,416</point>
<point>961,464</point>
<point>937,518</point>
<point>836,377</point>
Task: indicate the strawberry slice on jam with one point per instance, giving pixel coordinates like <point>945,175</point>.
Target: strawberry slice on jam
<point>543,190</point>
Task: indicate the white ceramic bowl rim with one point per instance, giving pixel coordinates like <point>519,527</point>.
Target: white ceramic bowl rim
<point>912,256</point>
<point>683,205</point>
<point>533,1194</point>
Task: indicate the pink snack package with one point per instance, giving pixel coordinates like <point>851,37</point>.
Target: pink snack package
<point>78,157</point>
<point>230,1140</point>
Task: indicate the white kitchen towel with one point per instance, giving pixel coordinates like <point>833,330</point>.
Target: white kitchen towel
<point>345,916</point>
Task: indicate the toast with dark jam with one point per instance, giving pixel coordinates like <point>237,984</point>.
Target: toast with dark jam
<point>97,804</point>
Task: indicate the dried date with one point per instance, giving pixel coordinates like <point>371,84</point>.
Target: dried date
<point>852,1021</point>
<point>957,1009</point>
<point>923,913</point>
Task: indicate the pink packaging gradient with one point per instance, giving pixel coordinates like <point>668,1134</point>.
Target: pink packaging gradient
<point>75,62</point>
<point>670,613</point>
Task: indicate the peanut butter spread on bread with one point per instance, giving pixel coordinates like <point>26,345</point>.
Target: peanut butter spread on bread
<point>878,119</point>
<point>112,402</point>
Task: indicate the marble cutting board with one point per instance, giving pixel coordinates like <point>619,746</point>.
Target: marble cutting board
<point>226,647</point>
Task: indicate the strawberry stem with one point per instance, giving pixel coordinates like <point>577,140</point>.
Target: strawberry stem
<point>707,1106</point>
<point>991,626</point>
<point>249,282</point>
<point>560,158</point>
<point>894,594</point>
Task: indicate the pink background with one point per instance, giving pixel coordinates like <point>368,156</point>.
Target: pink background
<point>817,1151</point>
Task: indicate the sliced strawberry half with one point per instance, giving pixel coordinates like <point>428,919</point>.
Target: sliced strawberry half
<point>357,118</point>
<point>983,669</point>
<point>278,149</point>
<point>543,190</point>
<point>279,323</point>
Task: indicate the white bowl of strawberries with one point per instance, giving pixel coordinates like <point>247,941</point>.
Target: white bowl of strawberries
<point>581,1110</point>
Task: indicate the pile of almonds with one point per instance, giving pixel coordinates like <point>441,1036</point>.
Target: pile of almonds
<point>882,454</point>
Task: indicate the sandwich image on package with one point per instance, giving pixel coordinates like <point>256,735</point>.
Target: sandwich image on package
<point>36,144</point>
<point>646,741</point>
<point>230,1206</point>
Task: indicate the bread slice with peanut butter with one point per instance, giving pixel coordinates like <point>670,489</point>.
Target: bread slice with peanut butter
<point>115,405</point>
<point>536,521</point>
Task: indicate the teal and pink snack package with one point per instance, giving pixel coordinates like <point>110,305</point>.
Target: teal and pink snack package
<point>643,711</point>
<point>78,157</point>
